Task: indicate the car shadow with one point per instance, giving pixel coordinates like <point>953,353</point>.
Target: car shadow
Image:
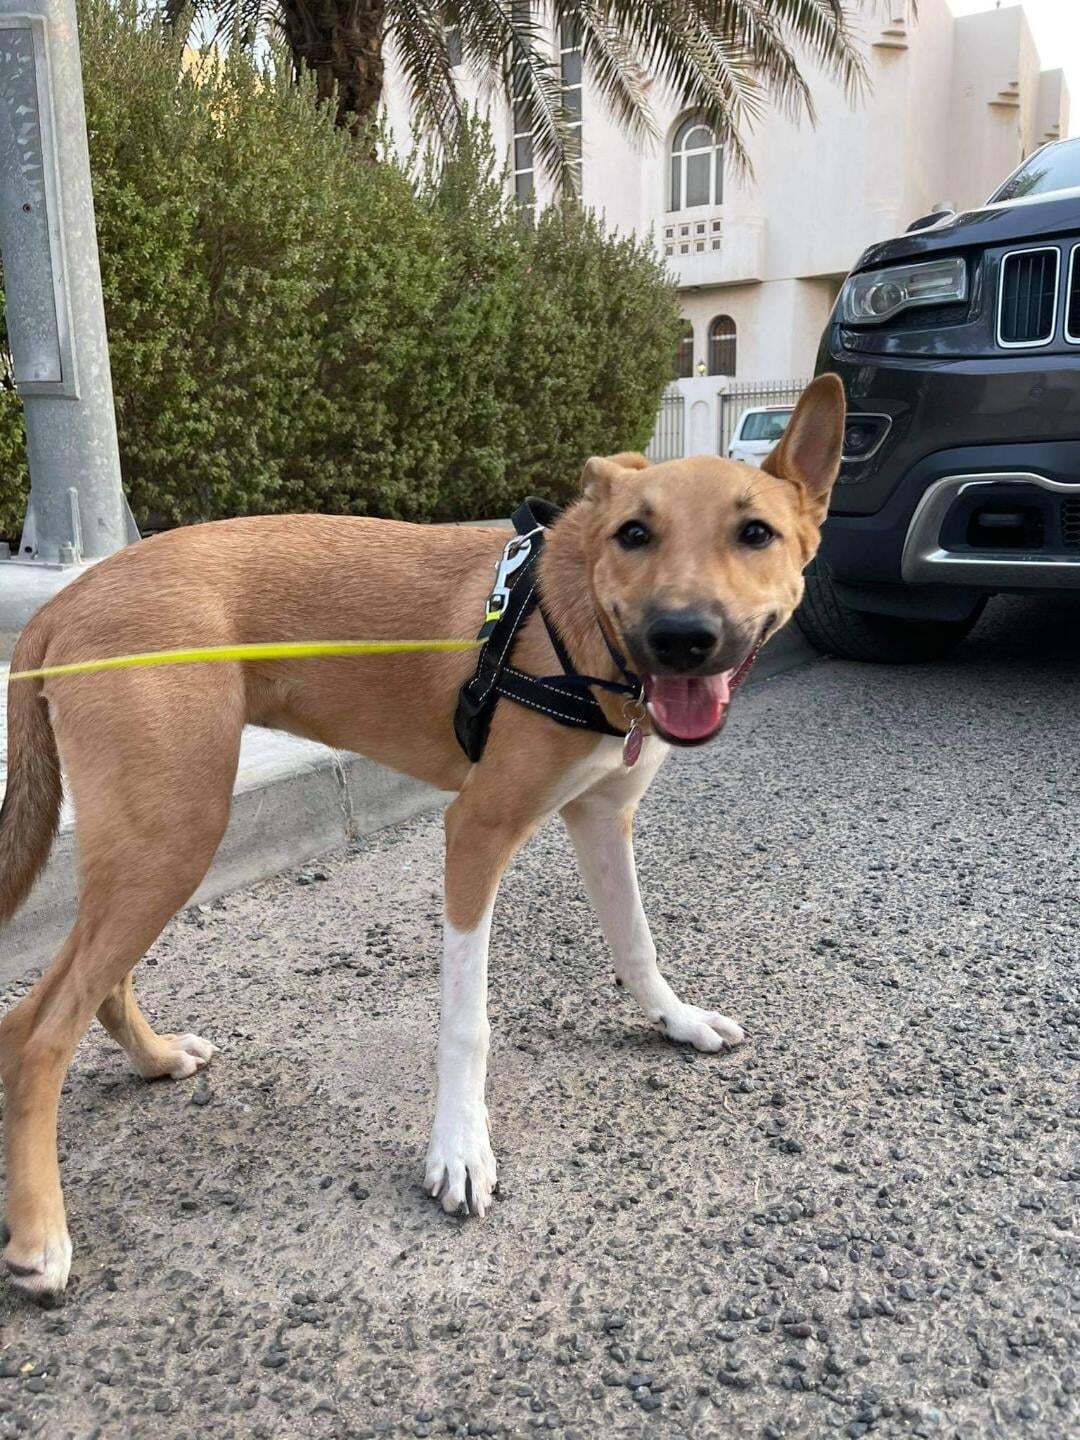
<point>1029,633</point>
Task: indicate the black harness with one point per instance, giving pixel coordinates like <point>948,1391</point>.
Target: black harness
<point>564,698</point>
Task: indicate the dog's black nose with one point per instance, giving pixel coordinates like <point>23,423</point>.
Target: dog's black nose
<point>682,641</point>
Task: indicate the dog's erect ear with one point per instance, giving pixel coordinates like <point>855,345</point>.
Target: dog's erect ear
<point>600,473</point>
<point>809,453</point>
<point>630,460</point>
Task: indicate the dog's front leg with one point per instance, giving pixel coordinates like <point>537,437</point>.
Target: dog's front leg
<point>600,826</point>
<point>460,1163</point>
<point>460,1169</point>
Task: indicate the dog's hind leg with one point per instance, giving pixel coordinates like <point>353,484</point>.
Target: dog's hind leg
<point>152,1056</point>
<point>146,833</point>
<point>37,1041</point>
<point>601,824</point>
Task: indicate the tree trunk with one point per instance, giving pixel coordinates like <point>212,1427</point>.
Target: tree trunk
<point>341,41</point>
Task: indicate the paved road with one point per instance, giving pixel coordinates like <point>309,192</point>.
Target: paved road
<point>862,1223</point>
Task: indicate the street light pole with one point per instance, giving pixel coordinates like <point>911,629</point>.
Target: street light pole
<point>53,303</point>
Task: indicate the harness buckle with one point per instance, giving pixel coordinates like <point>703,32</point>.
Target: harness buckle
<point>515,553</point>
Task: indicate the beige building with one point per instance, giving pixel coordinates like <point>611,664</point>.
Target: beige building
<point>954,104</point>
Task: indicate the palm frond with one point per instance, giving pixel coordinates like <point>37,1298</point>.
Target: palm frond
<point>418,31</point>
<point>815,28</point>
<point>729,60</point>
<point>225,23</point>
<point>505,38</point>
<point>612,65</point>
<point>705,66</point>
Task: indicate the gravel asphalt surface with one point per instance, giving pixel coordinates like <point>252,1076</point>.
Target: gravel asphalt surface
<point>861,1223</point>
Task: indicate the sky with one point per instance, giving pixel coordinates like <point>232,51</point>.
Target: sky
<point>1055,25</point>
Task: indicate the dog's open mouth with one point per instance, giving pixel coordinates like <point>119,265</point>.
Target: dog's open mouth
<point>691,709</point>
<point>688,709</point>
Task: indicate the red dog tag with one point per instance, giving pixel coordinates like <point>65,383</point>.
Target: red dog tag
<point>631,747</point>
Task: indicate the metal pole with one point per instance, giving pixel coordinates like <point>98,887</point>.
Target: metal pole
<point>52,291</point>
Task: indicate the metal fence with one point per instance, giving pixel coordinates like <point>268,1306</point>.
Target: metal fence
<point>669,436</point>
<point>748,396</point>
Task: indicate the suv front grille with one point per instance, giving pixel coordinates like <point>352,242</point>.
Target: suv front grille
<point>1072,307</point>
<point>1028,297</point>
<point>1070,523</point>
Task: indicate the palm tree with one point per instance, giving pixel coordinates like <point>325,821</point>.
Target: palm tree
<point>728,59</point>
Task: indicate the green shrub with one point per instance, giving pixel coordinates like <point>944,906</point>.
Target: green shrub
<point>294,326</point>
<point>14,484</point>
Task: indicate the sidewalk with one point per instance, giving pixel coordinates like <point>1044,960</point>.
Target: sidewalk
<point>293,800</point>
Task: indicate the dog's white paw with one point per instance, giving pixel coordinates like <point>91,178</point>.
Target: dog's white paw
<point>460,1170</point>
<point>40,1270</point>
<point>704,1029</point>
<point>178,1059</point>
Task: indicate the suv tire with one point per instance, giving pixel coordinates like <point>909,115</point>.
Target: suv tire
<point>834,628</point>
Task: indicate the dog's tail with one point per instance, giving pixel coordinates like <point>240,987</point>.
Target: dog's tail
<point>30,814</point>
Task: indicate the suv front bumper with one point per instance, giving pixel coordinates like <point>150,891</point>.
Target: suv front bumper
<point>1034,535</point>
<point>895,519</point>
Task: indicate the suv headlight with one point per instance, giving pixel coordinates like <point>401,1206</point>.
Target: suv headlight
<point>877,295</point>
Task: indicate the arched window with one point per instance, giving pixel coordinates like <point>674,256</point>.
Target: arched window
<point>722,337</point>
<point>697,167</point>
<point>684,355</point>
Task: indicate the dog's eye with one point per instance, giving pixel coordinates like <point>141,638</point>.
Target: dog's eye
<point>633,535</point>
<point>757,534</point>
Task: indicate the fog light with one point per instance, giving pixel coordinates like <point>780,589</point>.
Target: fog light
<point>863,434</point>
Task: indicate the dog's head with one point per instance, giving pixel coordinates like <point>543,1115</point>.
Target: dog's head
<point>694,563</point>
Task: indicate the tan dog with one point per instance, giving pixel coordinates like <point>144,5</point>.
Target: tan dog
<point>688,565</point>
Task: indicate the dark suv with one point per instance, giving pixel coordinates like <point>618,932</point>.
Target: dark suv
<point>959,348</point>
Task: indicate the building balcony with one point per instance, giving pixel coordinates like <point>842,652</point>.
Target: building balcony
<point>710,249</point>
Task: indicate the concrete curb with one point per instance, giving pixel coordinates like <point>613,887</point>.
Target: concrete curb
<point>294,800</point>
<point>24,588</point>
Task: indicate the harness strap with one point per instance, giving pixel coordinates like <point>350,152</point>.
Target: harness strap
<point>557,643</point>
<point>565,698</point>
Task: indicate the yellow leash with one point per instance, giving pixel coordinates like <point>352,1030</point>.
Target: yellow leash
<point>290,650</point>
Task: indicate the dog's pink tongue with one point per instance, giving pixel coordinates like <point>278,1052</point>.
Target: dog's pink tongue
<point>689,708</point>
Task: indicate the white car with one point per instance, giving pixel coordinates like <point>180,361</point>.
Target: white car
<point>758,431</point>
